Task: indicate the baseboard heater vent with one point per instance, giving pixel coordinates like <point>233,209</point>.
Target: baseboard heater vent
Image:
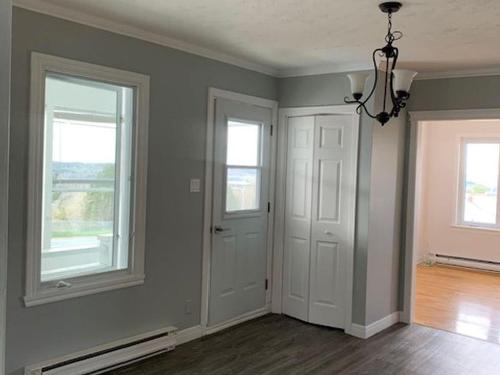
<point>108,357</point>
<point>467,262</point>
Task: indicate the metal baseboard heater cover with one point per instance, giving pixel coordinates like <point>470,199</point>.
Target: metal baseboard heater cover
<point>107,357</point>
<point>467,262</point>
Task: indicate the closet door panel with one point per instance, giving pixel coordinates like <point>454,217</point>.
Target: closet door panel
<point>298,217</point>
<point>332,153</point>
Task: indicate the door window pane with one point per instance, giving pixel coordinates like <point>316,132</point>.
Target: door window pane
<point>83,164</point>
<point>243,166</point>
<point>243,143</point>
<point>242,185</point>
<point>481,182</point>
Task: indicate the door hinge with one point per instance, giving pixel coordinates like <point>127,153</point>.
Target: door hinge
<point>271,130</point>
<point>268,206</point>
<point>267,284</point>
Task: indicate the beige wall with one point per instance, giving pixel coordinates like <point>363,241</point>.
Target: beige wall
<point>440,145</point>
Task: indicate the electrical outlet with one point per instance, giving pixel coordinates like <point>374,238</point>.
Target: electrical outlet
<point>188,308</point>
<point>195,185</point>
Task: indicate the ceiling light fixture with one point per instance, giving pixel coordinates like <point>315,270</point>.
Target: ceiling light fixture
<point>397,81</point>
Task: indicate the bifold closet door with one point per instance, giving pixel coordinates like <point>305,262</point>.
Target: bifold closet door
<point>319,187</point>
<point>298,217</point>
<point>332,189</point>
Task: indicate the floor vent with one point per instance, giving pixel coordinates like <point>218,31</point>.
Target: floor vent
<point>105,358</point>
<point>468,262</point>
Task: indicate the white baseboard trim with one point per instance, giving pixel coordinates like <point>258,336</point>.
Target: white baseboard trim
<point>238,320</point>
<point>192,333</point>
<point>188,334</point>
<point>365,332</point>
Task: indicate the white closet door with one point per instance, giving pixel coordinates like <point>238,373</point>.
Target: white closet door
<point>320,188</point>
<point>332,189</point>
<point>298,216</point>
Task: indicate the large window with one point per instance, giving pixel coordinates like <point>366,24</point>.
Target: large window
<point>87,192</point>
<point>479,176</point>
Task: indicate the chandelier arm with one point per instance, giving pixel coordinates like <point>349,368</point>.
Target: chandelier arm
<point>363,106</point>
<point>374,81</point>
<point>386,82</point>
<point>396,103</point>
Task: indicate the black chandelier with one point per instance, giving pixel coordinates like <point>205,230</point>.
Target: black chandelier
<point>397,81</point>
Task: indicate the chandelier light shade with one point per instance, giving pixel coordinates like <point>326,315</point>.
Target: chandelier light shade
<point>358,81</point>
<point>397,82</point>
<point>403,79</point>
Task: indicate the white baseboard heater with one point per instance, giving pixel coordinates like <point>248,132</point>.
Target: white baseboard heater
<point>107,357</point>
<point>467,262</point>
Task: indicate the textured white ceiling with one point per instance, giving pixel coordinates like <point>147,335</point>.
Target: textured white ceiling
<point>289,35</point>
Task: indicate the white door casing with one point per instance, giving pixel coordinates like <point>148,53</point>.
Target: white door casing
<point>414,166</point>
<point>318,179</point>
<point>240,210</point>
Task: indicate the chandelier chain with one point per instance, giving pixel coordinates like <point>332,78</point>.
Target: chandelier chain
<point>392,35</point>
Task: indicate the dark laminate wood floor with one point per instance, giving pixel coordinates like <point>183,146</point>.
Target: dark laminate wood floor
<point>277,344</point>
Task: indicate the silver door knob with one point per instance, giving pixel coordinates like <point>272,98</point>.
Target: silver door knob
<point>328,233</point>
<point>219,229</point>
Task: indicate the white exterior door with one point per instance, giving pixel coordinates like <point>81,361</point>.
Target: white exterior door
<point>320,186</point>
<point>240,210</point>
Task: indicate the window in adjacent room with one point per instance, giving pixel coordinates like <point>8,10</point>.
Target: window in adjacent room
<point>479,176</point>
<point>87,194</point>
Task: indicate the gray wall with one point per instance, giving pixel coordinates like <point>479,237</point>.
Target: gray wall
<point>179,88</point>
<point>330,89</point>
<point>384,241</point>
<point>5,39</point>
<point>455,93</point>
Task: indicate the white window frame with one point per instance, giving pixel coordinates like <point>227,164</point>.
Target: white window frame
<point>37,292</point>
<point>461,222</point>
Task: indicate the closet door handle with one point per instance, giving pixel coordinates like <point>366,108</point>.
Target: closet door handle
<point>328,233</point>
<point>219,229</point>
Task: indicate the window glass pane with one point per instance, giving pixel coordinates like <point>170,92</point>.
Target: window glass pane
<point>82,168</point>
<point>242,189</point>
<point>243,141</point>
<point>481,182</point>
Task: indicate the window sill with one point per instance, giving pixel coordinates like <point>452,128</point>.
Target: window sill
<point>470,227</point>
<point>54,295</point>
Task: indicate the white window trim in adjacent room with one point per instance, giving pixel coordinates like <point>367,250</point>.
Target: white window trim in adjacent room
<point>36,292</point>
<point>460,220</point>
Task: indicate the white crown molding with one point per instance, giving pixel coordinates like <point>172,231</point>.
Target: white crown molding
<point>322,69</point>
<point>459,74</point>
<point>344,68</point>
<point>107,24</point>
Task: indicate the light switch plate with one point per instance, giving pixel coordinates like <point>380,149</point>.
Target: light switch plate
<point>194,185</point>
